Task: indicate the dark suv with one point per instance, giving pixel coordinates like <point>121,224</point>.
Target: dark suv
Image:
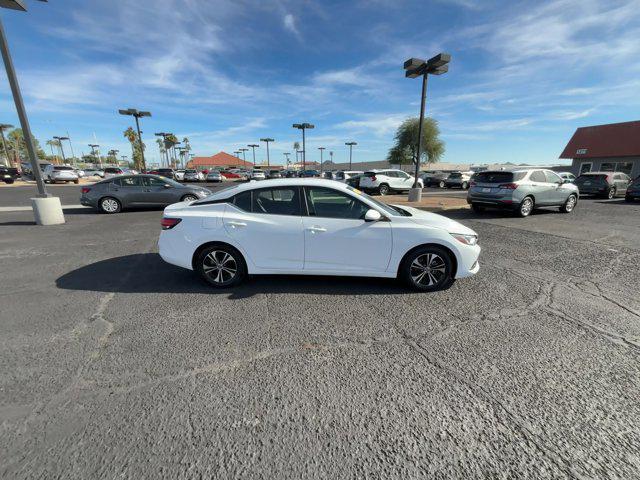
<point>434,179</point>
<point>603,184</point>
<point>167,173</point>
<point>633,191</point>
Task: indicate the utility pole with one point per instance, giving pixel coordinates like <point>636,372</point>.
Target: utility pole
<point>322,149</point>
<point>267,140</point>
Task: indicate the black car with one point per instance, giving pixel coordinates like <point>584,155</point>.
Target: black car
<point>310,174</point>
<point>633,191</point>
<point>354,181</point>
<point>273,174</point>
<point>434,179</point>
<point>602,184</point>
<point>8,174</point>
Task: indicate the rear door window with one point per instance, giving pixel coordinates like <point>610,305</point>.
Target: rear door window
<point>538,176</point>
<point>243,201</point>
<point>277,201</point>
<point>128,182</point>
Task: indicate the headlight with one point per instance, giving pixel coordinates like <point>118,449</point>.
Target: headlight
<point>466,239</point>
<point>202,193</point>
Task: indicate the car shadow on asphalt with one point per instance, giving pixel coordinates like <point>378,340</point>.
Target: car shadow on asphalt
<point>148,273</point>
<point>490,214</point>
<point>619,201</point>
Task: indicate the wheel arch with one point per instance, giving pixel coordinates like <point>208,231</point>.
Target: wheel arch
<point>102,197</point>
<point>217,243</point>
<point>452,255</point>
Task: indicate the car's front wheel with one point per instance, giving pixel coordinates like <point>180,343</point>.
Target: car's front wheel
<point>189,198</point>
<point>221,266</point>
<point>383,189</point>
<point>526,207</point>
<point>570,204</point>
<point>110,205</point>
<point>611,193</point>
<point>427,269</point>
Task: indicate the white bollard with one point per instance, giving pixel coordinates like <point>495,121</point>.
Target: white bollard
<point>415,195</point>
<point>47,210</point>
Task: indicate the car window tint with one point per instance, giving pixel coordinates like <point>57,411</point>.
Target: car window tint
<point>276,201</point>
<point>329,203</point>
<point>537,176</point>
<point>243,201</point>
<point>402,174</point>
<point>154,182</point>
<point>127,182</point>
<point>552,177</point>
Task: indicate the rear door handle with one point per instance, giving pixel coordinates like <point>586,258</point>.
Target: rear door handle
<point>237,224</point>
<point>316,229</point>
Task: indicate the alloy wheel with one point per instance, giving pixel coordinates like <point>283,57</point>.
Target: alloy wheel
<point>110,205</point>
<point>571,203</point>
<point>526,207</point>
<point>611,193</point>
<point>428,270</point>
<point>220,267</point>
<point>384,189</point>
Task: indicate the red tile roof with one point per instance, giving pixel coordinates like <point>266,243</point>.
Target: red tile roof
<point>611,140</point>
<point>220,159</point>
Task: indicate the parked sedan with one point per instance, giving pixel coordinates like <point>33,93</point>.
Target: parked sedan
<point>115,194</point>
<point>434,178</point>
<point>603,184</point>
<point>214,176</point>
<point>567,176</point>
<point>193,176</point>
<point>93,172</point>
<point>521,191</point>
<point>314,227</point>
<point>458,180</point>
<point>110,172</point>
<point>633,191</point>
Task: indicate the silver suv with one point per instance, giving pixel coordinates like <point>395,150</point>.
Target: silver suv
<point>521,191</point>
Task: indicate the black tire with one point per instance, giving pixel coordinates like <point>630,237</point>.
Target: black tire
<point>189,198</point>
<point>441,185</point>
<point>383,189</point>
<point>109,205</point>
<point>211,263</point>
<point>76,182</point>
<point>627,198</point>
<point>526,207</point>
<point>611,193</point>
<point>570,204</point>
<point>9,181</point>
<point>427,269</point>
<point>477,208</point>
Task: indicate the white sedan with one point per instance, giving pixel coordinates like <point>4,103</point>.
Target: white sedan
<point>314,227</point>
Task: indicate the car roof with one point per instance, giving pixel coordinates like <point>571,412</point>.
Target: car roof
<point>599,173</point>
<point>278,182</point>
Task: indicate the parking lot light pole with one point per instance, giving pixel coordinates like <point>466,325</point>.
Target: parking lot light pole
<point>350,144</point>
<point>137,114</point>
<point>124,158</point>
<point>331,156</point>
<point>416,67</point>
<point>303,127</point>
<point>322,149</point>
<point>267,140</point>
<point>60,139</point>
<point>253,147</point>
<point>3,127</point>
<point>286,155</point>
<point>244,157</point>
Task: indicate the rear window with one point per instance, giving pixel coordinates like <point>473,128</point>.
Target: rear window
<point>494,177</point>
<point>592,178</point>
<point>455,175</point>
<point>62,168</point>
<point>369,174</point>
<point>189,171</point>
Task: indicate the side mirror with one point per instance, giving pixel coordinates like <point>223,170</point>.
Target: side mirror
<point>372,215</point>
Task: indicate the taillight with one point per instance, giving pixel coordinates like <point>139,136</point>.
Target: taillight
<point>373,179</point>
<point>86,189</point>
<point>509,186</point>
<point>169,223</point>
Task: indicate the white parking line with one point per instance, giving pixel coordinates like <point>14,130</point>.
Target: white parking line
<point>28,208</point>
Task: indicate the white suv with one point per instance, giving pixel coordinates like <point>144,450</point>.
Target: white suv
<point>386,181</point>
<point>60,173</point>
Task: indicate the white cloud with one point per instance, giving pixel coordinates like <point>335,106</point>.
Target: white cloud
<point>289,22</point>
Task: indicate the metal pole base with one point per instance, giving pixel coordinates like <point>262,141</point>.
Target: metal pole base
<point>47,211</point>
<point>415,195</point>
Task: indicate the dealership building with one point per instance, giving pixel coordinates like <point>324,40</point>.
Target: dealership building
<point>614,147</point>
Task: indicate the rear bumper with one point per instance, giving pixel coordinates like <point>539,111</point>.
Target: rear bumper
<point>594,190</point>
<point>506,203</point>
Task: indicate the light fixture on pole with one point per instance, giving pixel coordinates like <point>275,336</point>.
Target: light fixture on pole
<point>253,147</point>
<point>47,209</point>
<point>416,67</point>
<point>3,127</point>
<point>123,157</point>
<point>137,114</point>
<point>351,144</point>
<point>60,139</point>
<point>303,127</point>
<point>267,140</point>
<point>322,149</point>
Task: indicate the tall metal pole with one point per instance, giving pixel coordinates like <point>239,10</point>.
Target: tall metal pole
<point>268,162</point>
<point>73,155</point>
<point>321,158</point>
<point>422,105</point>
<point>144,164</point>
<point>22,113</point>
<point>304,151</point>
<point>350,156</point>
<point>64,159</point>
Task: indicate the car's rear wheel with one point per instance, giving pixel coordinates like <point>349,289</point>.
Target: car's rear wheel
<point>526,207</point>
<point>9,181</point>
<point>441,184</point>
<point>383,189</point>
<point>611,193</point>
<point>477,208</point>
<point>570,204</point>
<point>189,198</point>
<point>427,269</point>
<point>110,205</point>
<point>221,266</point>
<point>76,181</point>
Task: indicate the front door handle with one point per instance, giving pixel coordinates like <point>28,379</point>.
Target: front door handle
<point>316,229</point>
<point>237,224</point>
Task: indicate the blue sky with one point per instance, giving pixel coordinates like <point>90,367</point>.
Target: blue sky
<point>523,75</point>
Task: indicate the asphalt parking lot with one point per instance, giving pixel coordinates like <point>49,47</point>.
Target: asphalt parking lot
<point>115,364</point>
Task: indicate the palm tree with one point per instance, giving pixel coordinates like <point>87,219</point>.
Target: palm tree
<point>131,135</point>
<point>172,140</point>
<point>296,147</point>
<point>162,149</point>
<point>53,143</point>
